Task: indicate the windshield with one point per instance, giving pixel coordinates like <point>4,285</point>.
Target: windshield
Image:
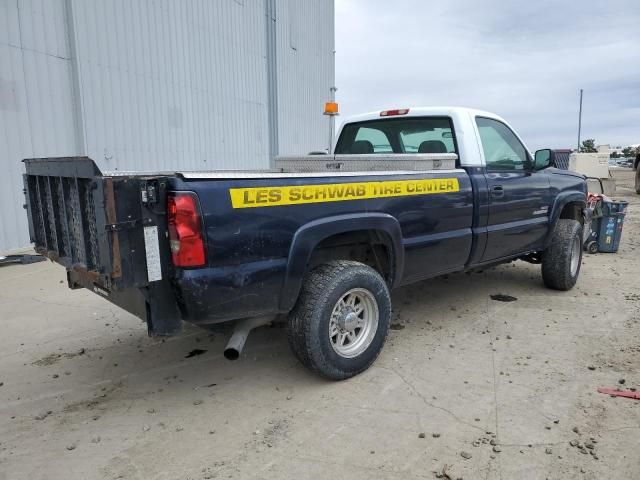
<point>398,135</point>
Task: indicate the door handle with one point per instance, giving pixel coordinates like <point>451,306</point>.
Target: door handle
<point>497,191</point>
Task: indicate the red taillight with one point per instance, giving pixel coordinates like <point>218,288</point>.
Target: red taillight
<point>390,113</point>
<point>185,230</point>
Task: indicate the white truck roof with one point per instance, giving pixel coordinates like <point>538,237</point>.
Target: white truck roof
<point>427,111</point>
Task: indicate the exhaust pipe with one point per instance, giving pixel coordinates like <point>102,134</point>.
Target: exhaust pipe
<point>240,333</point>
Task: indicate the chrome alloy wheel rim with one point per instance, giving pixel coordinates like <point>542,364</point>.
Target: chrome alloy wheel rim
<point>353,323</point>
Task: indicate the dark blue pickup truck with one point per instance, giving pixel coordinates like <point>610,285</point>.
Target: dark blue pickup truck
<point>406,195</point>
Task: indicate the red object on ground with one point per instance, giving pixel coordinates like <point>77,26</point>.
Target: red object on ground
<point>619,393</point>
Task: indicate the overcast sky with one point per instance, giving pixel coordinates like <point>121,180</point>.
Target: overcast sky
<point>524,60</point>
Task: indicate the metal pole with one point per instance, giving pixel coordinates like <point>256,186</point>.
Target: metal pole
<point>580,120</point>
<point>332,121</point>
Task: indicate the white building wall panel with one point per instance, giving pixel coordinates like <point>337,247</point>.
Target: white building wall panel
<point>156,84</point>
<point>305,73</point>
<point>36,101</point>
<point>173,83</point>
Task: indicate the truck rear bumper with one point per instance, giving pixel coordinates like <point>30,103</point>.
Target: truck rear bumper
<point>216,294</point>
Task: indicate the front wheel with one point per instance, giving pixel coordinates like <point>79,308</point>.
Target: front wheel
<point>341,319</point>
<point>561,261</point>
<point>637,185</point>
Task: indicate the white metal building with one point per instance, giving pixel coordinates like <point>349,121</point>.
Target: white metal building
<point>159,84</point>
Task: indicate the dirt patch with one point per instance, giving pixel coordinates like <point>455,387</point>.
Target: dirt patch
<point>54,358</point>
<point>500,297</point>
<point>94,402</point>
<point>195,352</point>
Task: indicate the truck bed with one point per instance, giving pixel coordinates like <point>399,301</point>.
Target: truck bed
<point>110,229</point>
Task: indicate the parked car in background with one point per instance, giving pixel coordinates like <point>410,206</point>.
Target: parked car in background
<point>625,162</point>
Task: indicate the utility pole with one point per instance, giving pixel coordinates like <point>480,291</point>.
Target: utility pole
<point>580,120</point>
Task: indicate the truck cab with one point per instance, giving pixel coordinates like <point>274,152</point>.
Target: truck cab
<point>514,196</point>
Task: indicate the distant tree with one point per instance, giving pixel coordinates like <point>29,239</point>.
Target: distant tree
<point>588,146</point>
<point>614,154</point>
<point>630,151</point>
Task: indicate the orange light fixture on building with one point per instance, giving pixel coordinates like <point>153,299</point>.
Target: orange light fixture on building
<point>331,108</point>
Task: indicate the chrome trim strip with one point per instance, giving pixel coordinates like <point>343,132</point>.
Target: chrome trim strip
<point>237,174</point>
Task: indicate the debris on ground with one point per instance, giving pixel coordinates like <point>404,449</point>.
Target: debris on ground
<point>500,297</point>
<point>443,473</point>
<point>465,455</point>
<point>43,415</point>
<point>21,259</point>
<point>397,326</point>
<point>614,392</point>
<point>421,435</point>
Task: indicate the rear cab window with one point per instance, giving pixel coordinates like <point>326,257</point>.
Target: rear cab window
<point>398,135</point>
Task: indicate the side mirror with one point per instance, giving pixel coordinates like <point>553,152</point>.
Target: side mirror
<point>542,159</point>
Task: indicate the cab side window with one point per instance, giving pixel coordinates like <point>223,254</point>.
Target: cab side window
<point>502,149</point>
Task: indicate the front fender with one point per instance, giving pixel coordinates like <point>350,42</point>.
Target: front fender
<point>311,234</point>
<point>562,200</point>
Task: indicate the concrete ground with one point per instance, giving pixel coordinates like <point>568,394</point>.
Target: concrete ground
<point>466,387</point>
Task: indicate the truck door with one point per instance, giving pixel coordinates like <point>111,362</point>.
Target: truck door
<point>519,198</point>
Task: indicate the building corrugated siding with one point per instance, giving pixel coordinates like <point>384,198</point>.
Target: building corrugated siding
<point>36,101</point>
<point>305,74</point>
<point>156,84</point>
<point>173,84</point>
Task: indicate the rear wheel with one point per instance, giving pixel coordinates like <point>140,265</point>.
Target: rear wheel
<point>341,320</point>
<point>561,261</point>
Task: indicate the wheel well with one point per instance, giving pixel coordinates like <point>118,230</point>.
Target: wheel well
<point>371,247</point>
<point>573,211</point>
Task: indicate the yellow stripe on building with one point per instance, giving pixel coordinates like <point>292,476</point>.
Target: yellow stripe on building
<point>338,192</point>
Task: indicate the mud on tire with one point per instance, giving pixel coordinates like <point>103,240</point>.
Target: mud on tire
<point>324,289</point>
<point>562,259</point>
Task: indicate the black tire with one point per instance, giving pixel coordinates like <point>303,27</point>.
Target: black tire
<point>592,247</point>
<point>637,182</point>
<point>309,321</point>
<point>558,272</point>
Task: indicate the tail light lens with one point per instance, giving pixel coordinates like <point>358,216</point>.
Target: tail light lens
<point>185,230</point>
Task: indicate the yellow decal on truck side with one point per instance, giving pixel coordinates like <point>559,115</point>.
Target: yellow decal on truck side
<point>337,192</point>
